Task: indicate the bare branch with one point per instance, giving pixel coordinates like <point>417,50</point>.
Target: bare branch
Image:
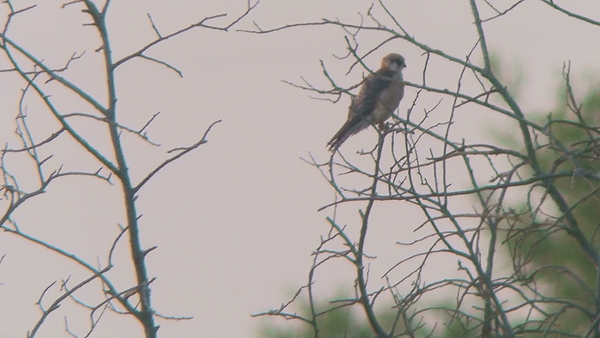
<point>182,151</point>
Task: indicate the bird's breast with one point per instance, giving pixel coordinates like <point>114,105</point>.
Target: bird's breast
<point>388,101</point>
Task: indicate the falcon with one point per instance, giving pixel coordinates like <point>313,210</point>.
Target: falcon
<point>379,96</point>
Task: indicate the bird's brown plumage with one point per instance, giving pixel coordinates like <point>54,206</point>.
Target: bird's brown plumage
<point>377,99</point>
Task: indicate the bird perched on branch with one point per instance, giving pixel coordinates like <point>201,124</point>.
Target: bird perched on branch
<point>377,99</point>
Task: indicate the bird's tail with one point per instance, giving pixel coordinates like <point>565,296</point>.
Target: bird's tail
<point>349,128</point>
<point>337,140</point>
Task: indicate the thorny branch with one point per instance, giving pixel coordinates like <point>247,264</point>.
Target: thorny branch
<point>37,76</point>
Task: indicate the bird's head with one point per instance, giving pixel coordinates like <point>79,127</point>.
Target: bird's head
<point>394,62</point>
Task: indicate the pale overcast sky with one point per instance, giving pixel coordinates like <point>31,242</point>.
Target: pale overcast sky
<point>235,221</point>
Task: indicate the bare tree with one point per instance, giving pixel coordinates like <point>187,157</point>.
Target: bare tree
<point>50,83</point>
<point>525,250</point>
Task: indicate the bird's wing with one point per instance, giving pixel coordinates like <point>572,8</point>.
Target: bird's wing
<point>362,106</point>
<point>366,100</point>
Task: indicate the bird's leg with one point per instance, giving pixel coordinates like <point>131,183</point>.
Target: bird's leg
<point>383,127</point>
